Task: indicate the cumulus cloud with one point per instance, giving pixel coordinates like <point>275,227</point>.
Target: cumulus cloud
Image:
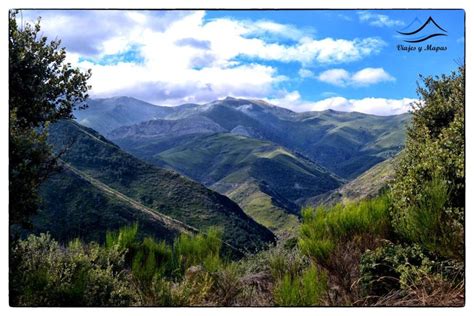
<point>364,77</point>
<point>379,20</point>
<point>368,76</point>
<point>92,33</point>
<point>172,57</point>
<point>369,105</point>
<point>338,77</point>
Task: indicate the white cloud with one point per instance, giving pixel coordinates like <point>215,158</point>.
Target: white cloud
<point>379,20</point>
<point>305,73</point>
<point>186,58</point>
<point>364,77</point>
<point>338,77</point>
<point>369,105</point>
<point>274,30</point>
<point>368,76</point>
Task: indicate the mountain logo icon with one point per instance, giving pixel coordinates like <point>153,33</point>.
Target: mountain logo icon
<point>428,30</point>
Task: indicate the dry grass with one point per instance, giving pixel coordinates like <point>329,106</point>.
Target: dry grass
<point>432,290</point>
<point>343,270</point>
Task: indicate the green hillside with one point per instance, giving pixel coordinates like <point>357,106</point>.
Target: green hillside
<point>158,189</point>
<point>367,185</point>
<point>73,208</point>
<point>264,178</point>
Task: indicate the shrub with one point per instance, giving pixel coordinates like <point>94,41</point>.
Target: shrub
<point>431,169</point>
<point>124,238</point>
<point>322,230</point>
<point>426,220</point>
<point>408,274</point>
<point>203,249</point>
<point>306,289</point>
<point>123,272</point>
<point>227,286</point>
<point>396,266</point>
<point>389,267</point>
<point>45,274</point>
<point>286,262</point>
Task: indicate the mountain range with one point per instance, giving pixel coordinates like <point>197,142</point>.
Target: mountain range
<point>346,143</point>
<point>244,165</point>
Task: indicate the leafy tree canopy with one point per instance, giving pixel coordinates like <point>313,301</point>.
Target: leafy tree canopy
<point>432,168</point>
<point>43,88</point>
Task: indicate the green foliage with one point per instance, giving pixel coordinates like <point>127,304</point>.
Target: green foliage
<point>323,229</point>
<point>425,220</point>
<point>389,267</point>
<point>30,163</point>
<point>400,267</point>
<point>203,249</point>
<point>42,273</point>
<point>283,262</point>
<point>125,238</point>
<point>42,89</point>
<point>306,289</point>
<point>122,272</point>
<point>434,155</point>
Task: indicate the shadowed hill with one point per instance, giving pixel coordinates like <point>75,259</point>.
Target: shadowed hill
<point>158,189</point>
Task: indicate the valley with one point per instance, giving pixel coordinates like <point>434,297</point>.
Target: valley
<point>269,160</point>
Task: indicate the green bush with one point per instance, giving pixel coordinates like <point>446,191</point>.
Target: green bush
<point>430,176</point>
<point>426,219</point>
<point>124,238</point>
<point>286,262</point>
<point>203,249</point>
<point>123,272</point>
<point>42,273</point>
<point>323,229</point>
<point>399,267</point>
<point>306,289</point>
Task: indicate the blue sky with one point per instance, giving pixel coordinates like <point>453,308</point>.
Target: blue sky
<point>303,60</point>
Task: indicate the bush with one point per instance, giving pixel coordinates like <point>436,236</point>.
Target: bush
<point>322,230</point>
<point>286,262</point>
<point>396,266</point>
<point>426,221</point>
<point>306,289</point>
<point>203,249</point>
<point>42,273</point>
<point>123,272</point>
<point>390,267</point>
<point>430,176</point>
<point>124,238</point>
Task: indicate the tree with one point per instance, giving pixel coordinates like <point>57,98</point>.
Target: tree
<point>43,88</point>
<point>429,192</point>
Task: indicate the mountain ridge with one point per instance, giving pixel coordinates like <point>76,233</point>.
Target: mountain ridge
<point>164,191</point>
<point>347,143</point>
